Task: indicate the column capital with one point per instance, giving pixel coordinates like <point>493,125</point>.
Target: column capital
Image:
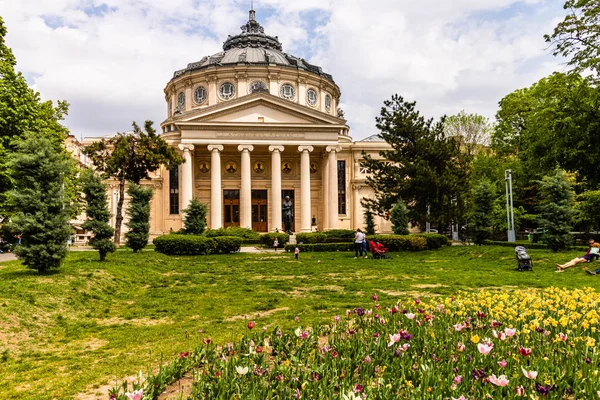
<point>186,147</point>
<point>276,148</point>
<point>243,147</point>
<point>336,149</point>
<point>302,149</point>
<point>215,147</point>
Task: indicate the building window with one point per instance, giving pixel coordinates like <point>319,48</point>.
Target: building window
<point>227,91</point>
<point>341,173</point>
<point>174,190</point>
<point>287,91</point>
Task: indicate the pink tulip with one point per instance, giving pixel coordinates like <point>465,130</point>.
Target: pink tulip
<point>336,318</point>
<point>502,363</point>
<point>136,395</point>
<point>499,381</point>
<point>529,374</point>
<point>520,391</point>
<point>460,398</point>
<point>394,339</point>
<point>485,348</point>
<point>524,351</point>
<point>409,315</point>
<point>374,297</point>
<point>460,347</point>
<point>459,327</point>
<point>458,379</point>
<point>510,332</point>
<point>563,336</point>
<point>395,309</point>
<point>367,360</point>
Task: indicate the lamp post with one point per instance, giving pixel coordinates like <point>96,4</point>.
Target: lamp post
<point>510,213</point>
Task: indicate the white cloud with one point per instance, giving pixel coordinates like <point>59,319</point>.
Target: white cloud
<point>112,65</point>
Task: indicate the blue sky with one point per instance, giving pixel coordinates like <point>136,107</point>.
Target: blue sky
<point>111,59</point>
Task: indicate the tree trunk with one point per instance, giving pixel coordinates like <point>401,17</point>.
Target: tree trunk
<point>119,216</point>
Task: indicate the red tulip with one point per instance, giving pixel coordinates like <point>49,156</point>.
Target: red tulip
<point>250,324</point>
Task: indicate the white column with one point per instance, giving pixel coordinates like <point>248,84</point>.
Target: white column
<point>357,221</point>
<point>216,196</point>
<point>246,187</point>
<point>305,187</point>
<point>333,189</point>
<point>276,187</point>
<point>325,172</point>
<point>187,184</point>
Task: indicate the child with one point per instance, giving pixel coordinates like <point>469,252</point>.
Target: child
<point>296,252</point>
<point>275,244</point>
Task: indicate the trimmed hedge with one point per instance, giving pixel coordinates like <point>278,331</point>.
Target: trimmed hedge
<point>435,240</point>
<point>228,244</point>
<point>539,246</point>
<point>400,242</point>
<point>392,242</point>
<point>236,231</point>
<point>268,238</point>
<point>311,238</point>
<point>320,247</point>
<point>341,233</point>
<point>184,245</point>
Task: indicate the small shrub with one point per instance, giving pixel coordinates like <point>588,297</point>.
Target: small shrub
<point>435,240</point>
<point>236,231</point>
<point>139,217</point>
<point>311,238</point>
<point>341,233</point>
<point>369,222</point>
<point>399,218</point>
<point>194,218</point>
<point>184,245</point>
<point>227,244</point>
<point>268,238</point>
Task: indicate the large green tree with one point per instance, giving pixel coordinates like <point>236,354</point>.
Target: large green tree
<point>484,195</point>
<point>97,213</point>
<point>40,209</point>
<point>472,131</point>
<point>424,167</point>
<point>131,157</point>
<point>21,111</point>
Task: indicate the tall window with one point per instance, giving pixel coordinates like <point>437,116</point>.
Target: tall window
<point>341,173</point>
<point>174,190</point>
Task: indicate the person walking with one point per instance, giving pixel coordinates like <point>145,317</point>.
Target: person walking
<point>297,252</point>
<point>359,238</point>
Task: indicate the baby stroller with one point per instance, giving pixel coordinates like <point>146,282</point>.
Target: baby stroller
<point>377,250</point>
<point>523,259</point>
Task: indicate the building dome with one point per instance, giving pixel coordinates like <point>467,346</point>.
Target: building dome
<point>253,47</point>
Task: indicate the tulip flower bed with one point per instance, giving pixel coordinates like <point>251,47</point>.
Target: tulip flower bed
<point>528,343</point>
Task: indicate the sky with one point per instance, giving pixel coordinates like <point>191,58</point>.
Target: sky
<point>111,59</point>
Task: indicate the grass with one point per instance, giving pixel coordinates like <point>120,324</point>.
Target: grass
<point>95,323</point>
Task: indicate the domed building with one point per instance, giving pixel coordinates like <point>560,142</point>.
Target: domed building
<point>254,125</point>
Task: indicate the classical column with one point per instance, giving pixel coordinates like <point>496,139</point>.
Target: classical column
<point>356,196</point>
<point>325,172</point>
<point>187,184</point>
<point>305,187</point>
<point>216,197</point>
<point>246,187</point>
<point>276,186</point>
<point>333,187</point>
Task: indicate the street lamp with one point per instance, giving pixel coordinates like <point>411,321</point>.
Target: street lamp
<point>510,213</point>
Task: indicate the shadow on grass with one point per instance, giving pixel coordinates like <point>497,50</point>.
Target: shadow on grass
<point>20,273</point>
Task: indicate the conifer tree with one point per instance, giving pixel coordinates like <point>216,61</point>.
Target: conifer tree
<point>484,195</point>
<point>40,210</point>
<point>369,222</point>
<point>139,216</point>
<point>556,207</point>
<point>97,213</point>
<point>399,218</point>
<point>194,218</point>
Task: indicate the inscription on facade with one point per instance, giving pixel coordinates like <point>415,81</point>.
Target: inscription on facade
<point>234,135</point>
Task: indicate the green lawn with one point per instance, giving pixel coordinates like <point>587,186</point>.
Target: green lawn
<point>94,323</point>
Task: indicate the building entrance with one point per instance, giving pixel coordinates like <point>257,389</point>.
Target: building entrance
<point>291,194</point>
<point>259,211</point>
<point>231,208</point>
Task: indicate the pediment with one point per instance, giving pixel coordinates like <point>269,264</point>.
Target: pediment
<point>255,108</point>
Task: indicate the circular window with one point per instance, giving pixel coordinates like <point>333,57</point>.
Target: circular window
<point>328,103</point>
<point>258,86</point>
<point>200,94</point>
<point>311,97</point>
<point>231,167</point>
<point>287,91</point>
<point>227,91</point>
<point>181,101</point>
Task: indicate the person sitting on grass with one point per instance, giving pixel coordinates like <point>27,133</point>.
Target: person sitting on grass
<point>585,258</point>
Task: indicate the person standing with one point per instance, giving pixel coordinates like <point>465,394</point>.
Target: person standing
<point>359,238</point>
<point>365,245</point>
<point>275,244</point>
<point>297,252</point>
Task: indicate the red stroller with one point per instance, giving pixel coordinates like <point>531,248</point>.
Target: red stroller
<point>378,250</point>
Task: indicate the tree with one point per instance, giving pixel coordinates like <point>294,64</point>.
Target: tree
<point>131,157</point>
<point>139,217</point>
<point>425,168</point>
<point>577,37</point>
<point>40,210</point>
<point>194,218</point>
<point>21,111</point>
<point>588,210</point>
<point>484,195</point>
<point>556,208</point>
<point>473,131</point>
<point>399,218</point>
<point>369,222</point>
<point>97,213</point>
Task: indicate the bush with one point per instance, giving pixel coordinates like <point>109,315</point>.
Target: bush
<point>311,238</point>
<point>184,245</point>
<point>401,242</point>
<point>227,244</point>
<point>320,247</point>
<point>341,233</point>
<point>369,222</point>
<point>268,238</point>
<point>338,240</point>
<point>139,217</point>
<point>236,231</point>
<point>399,218</point>
<point>538,246</point>
<point>194,218</point>
<point>435,240</point>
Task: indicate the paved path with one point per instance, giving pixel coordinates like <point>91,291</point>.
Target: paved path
<point>7,257</point>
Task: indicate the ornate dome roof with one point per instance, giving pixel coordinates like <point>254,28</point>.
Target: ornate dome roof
<point>253,46</point>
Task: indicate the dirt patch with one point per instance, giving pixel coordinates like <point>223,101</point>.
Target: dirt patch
<point>497,288</point>
<point>13,336</point>
<point>409,293</point>
<point>101,392</point>
<point>134,322</point>
<point>254,315</point>
<point>278,277</point>
<point>94,344</point>
<point>427,286</point>
<point>174,273</point>
<point>181,389</point>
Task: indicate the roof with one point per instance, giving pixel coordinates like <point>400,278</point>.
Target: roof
<point>373,138</point>
<point>253,46</point>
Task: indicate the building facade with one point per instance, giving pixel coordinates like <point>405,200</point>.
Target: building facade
<point>255,125</point>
